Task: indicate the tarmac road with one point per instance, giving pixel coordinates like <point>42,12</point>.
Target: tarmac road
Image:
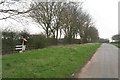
<point>103,64</point>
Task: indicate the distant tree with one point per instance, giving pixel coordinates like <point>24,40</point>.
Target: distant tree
<point>70,21</point>
<point>101,40</point>
<point>93,35</point>
<point>85,27</point>
<point>116,37</point>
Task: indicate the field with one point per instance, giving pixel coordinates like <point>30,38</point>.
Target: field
<point>52,62</point>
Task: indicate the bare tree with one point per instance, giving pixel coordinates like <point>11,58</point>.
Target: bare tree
<point>42,14</point>
<point>70,20</point>
<point>93,35</point>
<point>58,17</point>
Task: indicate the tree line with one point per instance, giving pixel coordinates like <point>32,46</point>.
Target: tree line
<point>63,23</point>
<point>116,38</point>
<point>60,19</point>
<point>64,19</point>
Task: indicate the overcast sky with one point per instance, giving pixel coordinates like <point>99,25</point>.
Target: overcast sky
<point>105,15</point>
<point>103,12</point>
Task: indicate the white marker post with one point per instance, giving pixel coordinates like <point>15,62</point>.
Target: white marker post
<point>23,44</point>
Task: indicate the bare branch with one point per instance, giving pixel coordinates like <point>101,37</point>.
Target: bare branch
<point>2,2</point>
<point>15,11</point>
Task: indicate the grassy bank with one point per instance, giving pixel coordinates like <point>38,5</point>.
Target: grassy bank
<point>116,44</point>
<point>54,62</point>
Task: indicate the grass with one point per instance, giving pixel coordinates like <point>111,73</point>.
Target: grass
<point>116,44</point>
<point>52,62</point>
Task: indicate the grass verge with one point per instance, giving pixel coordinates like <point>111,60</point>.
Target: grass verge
<point>116,44</point>
<point>55,62</point>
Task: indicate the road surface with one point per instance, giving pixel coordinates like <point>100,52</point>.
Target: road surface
<point>103,64</point>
